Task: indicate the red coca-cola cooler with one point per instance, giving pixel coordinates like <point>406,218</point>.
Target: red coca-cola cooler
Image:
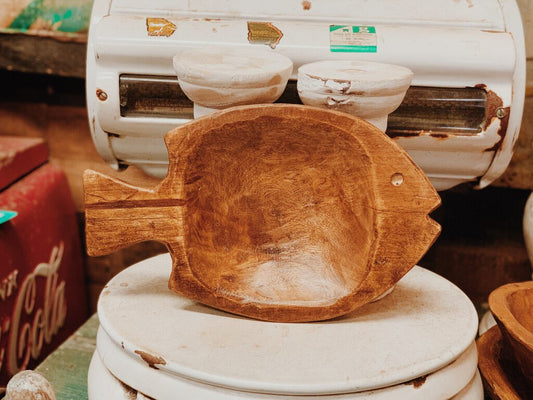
<point>42,289</point>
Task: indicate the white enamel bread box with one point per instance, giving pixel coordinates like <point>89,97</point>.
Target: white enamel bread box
<point>459,119</point>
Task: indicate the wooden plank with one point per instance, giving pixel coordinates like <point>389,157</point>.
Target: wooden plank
<point>67,367</point>
<point>19,156</point>
<point>58,54</point>
<point>519,174</point>
<point>66,131</point>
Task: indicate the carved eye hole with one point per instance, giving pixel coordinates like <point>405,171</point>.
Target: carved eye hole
<point>396,179</point>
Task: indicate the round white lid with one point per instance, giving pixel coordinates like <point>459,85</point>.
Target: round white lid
<point>422,326</point>
<point>233,67</point>
<point>443,384</point>
<point>359,78</point>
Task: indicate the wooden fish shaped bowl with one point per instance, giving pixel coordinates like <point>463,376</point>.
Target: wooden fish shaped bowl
<point>512,307</point>
<point>277,212</point>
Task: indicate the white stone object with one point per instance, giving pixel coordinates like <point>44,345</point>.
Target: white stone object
<point>29,385</point>
<point>104,386</point>
<point>367,90</point>
<point>159,342</point>
<point>220,77</point>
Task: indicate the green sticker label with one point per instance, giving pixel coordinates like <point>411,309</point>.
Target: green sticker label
<point>6,215</point>
<point>353,39</point>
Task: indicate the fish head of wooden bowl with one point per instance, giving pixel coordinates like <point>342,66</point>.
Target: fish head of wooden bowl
<point>278,212</point>
<point>512,307</point>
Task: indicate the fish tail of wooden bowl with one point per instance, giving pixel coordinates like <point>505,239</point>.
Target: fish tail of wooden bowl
<point>118,214</point>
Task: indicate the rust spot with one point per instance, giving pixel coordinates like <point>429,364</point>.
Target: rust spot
<point>410,134</point>
<point>440,135</point>
<point>160,27</point>
<point>101,95</point>
<point>212,19</point>
<point>489,31</point>
<point>306,5</point>
<point>150,359</point>
<point>494,103</point>
<point>122,344</point>
<point>417,382</point>
<point>404,134</point>
<point>502,131</point>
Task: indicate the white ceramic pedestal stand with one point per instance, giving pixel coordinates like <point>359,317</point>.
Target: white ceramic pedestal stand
<point>416,343</point>
<point>367,90</point>
<point>220,77</point>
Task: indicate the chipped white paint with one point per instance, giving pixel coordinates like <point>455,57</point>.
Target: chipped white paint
<point>411,333</point>
<point>365,89</point>
<point>218,77</point>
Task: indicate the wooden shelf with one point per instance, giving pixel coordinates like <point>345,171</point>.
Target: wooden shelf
<point>59,54</point>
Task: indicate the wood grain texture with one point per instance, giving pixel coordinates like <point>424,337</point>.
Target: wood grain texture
<point>19,156</point>
<point>512,306</point>
<point>501,376</point>
<point>279,212</point>
<point>519,174</point>
<point>60,54</point>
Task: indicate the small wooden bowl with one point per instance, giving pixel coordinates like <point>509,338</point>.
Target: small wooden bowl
<point>512,306</point>
<point>502,378</point>
<point>276,212</point>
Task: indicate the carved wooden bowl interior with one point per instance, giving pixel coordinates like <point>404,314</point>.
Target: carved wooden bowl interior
<point>512,307</point>
<point>277,212</point>
<point>502,378</point>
